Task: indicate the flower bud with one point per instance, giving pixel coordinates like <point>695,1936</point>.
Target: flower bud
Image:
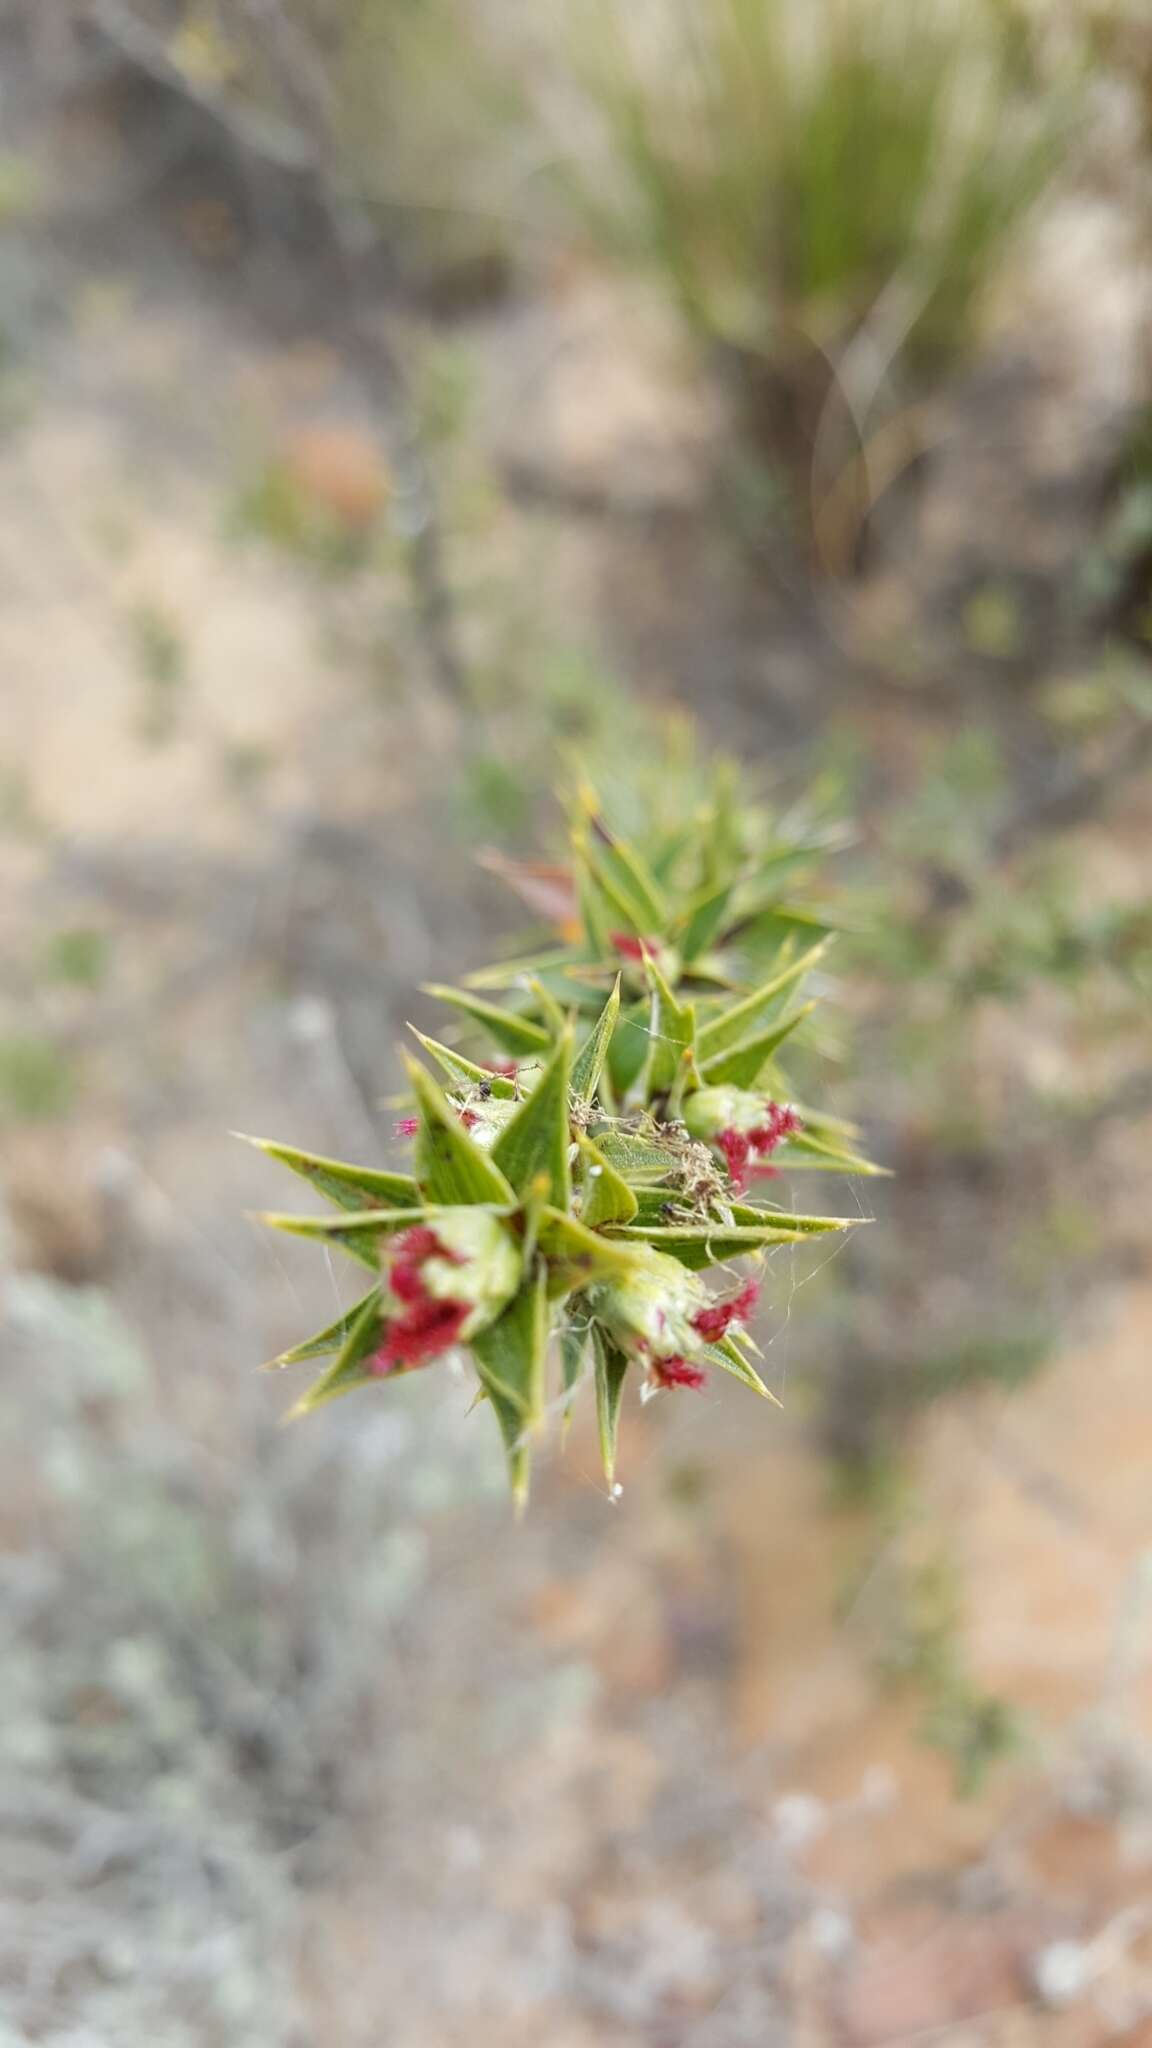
<point>661,1315</point>
<point>443,1283</point>
<point>741,1125</point>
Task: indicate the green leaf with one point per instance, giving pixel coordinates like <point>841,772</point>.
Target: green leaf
<point>751,1213</point>
<point>516,1445</point>
<point>548,1006</point>
<point>605,908</point>
<point>820,1125</point>
<point>629,1048</point>
<point>672,1036</point>
<point>588,1065</point>
<point>459,1069</point>
<point>353,1187</point>
<point>325,1340</point>
<point>745,1018</point>
<point>760,937</point>
<point>348,1368</point>
<point>358,1234</point>
<point>518,1035</point>
<point>449,1167</point>
<point>741,1067</point>
<point>729,1357</point>
<point>607,1198</point>
<point>576,1254</point>
<point>635,1157</point>
<point>510,1355</point>
<point>703,920</point>
<point>595,913</point>
<point>625,880</point>
<point>573,1346</point>
<point>611,1370</point>
<point>815,1154</point>
<point>708,1244</point>
<point>652,1203</point>
<point>554,960</point>
<point>536,1141</point>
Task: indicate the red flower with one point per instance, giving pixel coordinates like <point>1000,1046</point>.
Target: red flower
<point>676,1372</point>
<point>427,1325</point>
<point>779,1123</point>
<point>423,1331</point>
<point>741,1147</point>
<point>714,1322</point>
<point>630,948</point>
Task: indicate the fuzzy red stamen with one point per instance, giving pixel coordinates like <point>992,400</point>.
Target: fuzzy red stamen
<point>676,1372</point>
<point>714,1322</point>
<point>736,1148</point>
<point>406,1272</point>
<point>406,1276</point>
<point>779,1123</point>
<point>407,1127</point>
<point>424,1330</point>
<point>469,1119</point>
<point>426,1325</point>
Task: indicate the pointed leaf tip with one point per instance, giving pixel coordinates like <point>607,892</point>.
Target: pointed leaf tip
<point>535,1142</point>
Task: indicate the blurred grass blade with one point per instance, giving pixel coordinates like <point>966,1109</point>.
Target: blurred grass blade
<point>704,921</point>
<point>743,1065</point>
<point>518,1035</point>
<point>671,1036</point>
<point>745,1018</point>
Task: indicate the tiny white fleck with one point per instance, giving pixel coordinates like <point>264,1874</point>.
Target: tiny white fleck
<point>594,1172</point>
<point>1060,1972</point>
<point>617,1490</point>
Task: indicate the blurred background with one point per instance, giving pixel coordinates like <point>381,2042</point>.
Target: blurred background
<point>401,401</point>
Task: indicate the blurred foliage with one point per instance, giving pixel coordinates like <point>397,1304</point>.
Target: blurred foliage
<point>910,1607</point>
<point>160,651</point>
<point>78,954</point>
<point>825,192</point>
<point>190,1677</point>
<point>361,92</point>
<point>37,1079</point>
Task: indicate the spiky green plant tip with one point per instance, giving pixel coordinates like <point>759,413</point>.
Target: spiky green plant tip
<point>568,1195</point>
